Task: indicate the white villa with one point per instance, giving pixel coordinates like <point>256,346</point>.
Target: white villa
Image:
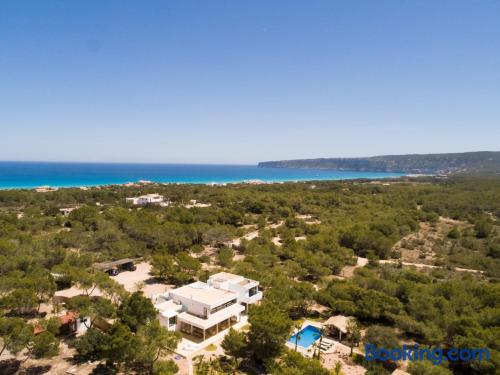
<point>45,189</point>
<point>146,199</point>
<point>201,310</point>
<point>65,211</point>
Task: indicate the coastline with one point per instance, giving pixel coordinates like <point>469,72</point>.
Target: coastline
<point>28,175</point>
<point>212,183</point>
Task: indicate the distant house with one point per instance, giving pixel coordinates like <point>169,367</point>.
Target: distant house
<point>44,189</point>
<point>146,199</point>
<point>65,211</point>
<point>201,310</point>
<point>130,184</point>
<point>70,323</point>
<point>254,182</point>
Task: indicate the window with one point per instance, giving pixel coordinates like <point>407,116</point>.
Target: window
<point>223,306</point>
<point>172,321</point>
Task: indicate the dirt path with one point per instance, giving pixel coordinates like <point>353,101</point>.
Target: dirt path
<point>250,236</point>
<point>422,265</point>
<point>348,271</point>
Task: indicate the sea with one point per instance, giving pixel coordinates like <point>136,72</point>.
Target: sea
<point>17,175</point>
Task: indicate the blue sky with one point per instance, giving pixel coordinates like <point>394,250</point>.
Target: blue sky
<point>245,81</point>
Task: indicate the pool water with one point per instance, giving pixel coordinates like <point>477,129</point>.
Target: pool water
<point>307,336</point>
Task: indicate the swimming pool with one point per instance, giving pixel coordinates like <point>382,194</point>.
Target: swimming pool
<point>307,336</point>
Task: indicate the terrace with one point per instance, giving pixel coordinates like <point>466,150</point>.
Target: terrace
<point>247,289</point>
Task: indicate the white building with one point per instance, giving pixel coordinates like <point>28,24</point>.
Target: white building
<point>202,310</point>
<point>65,211</point>
<point>247,289</point>
<point>45,189</point>
<point>146,199</point>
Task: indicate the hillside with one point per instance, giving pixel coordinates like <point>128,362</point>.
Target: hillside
<point>472,162</point>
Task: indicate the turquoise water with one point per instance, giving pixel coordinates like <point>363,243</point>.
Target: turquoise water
<point>307,336</point>
<point>30,174</point>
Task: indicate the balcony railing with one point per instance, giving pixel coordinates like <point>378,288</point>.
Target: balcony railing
<point>253,298</point>
<point>223,306</point>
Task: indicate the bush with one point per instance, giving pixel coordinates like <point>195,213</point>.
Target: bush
<point>454,233</point>
<point>46,345</point>
<point>235,343</point>
<point>91,345</point>
<point>165,368</point>
<point>225,256</point>
<point>483,228</point>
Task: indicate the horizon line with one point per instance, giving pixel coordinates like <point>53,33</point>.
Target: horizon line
<point>237,164</point>
<point>124,162</point>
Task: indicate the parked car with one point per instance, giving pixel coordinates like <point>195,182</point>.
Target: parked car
<point>129,267</point>
<point>113,272</point>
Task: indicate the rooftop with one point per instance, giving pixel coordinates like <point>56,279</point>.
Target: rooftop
<point>168,308</point>
<point>246,281</point>
<point>147,196</point>
<point>115,263</point>
<point>225,276</point>
<point>338,321</point>
<point>203,293</point>
<point>69,317</point>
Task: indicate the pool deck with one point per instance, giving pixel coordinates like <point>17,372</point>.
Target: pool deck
<point>337,352</point>
<point>307,352</point>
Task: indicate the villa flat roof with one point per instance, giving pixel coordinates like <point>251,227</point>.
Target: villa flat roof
<point>225,276</point>
<point>146,196</point>
<point>168,305</point>
<point>247,281</point>
<point>203,293</point>
<point>168,308</point>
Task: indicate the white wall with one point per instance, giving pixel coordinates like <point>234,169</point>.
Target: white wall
<point>189,305</point>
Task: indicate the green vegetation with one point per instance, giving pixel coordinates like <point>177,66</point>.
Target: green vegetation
<point>136,340</point>
<point>424,163</point>
<point>308,235</point>
<point>235,344</point>
<point>270,329</point>
<point>295,364</point>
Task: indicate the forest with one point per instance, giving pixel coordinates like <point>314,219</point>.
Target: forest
<point>470,162</point>
<point>309,234</point>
